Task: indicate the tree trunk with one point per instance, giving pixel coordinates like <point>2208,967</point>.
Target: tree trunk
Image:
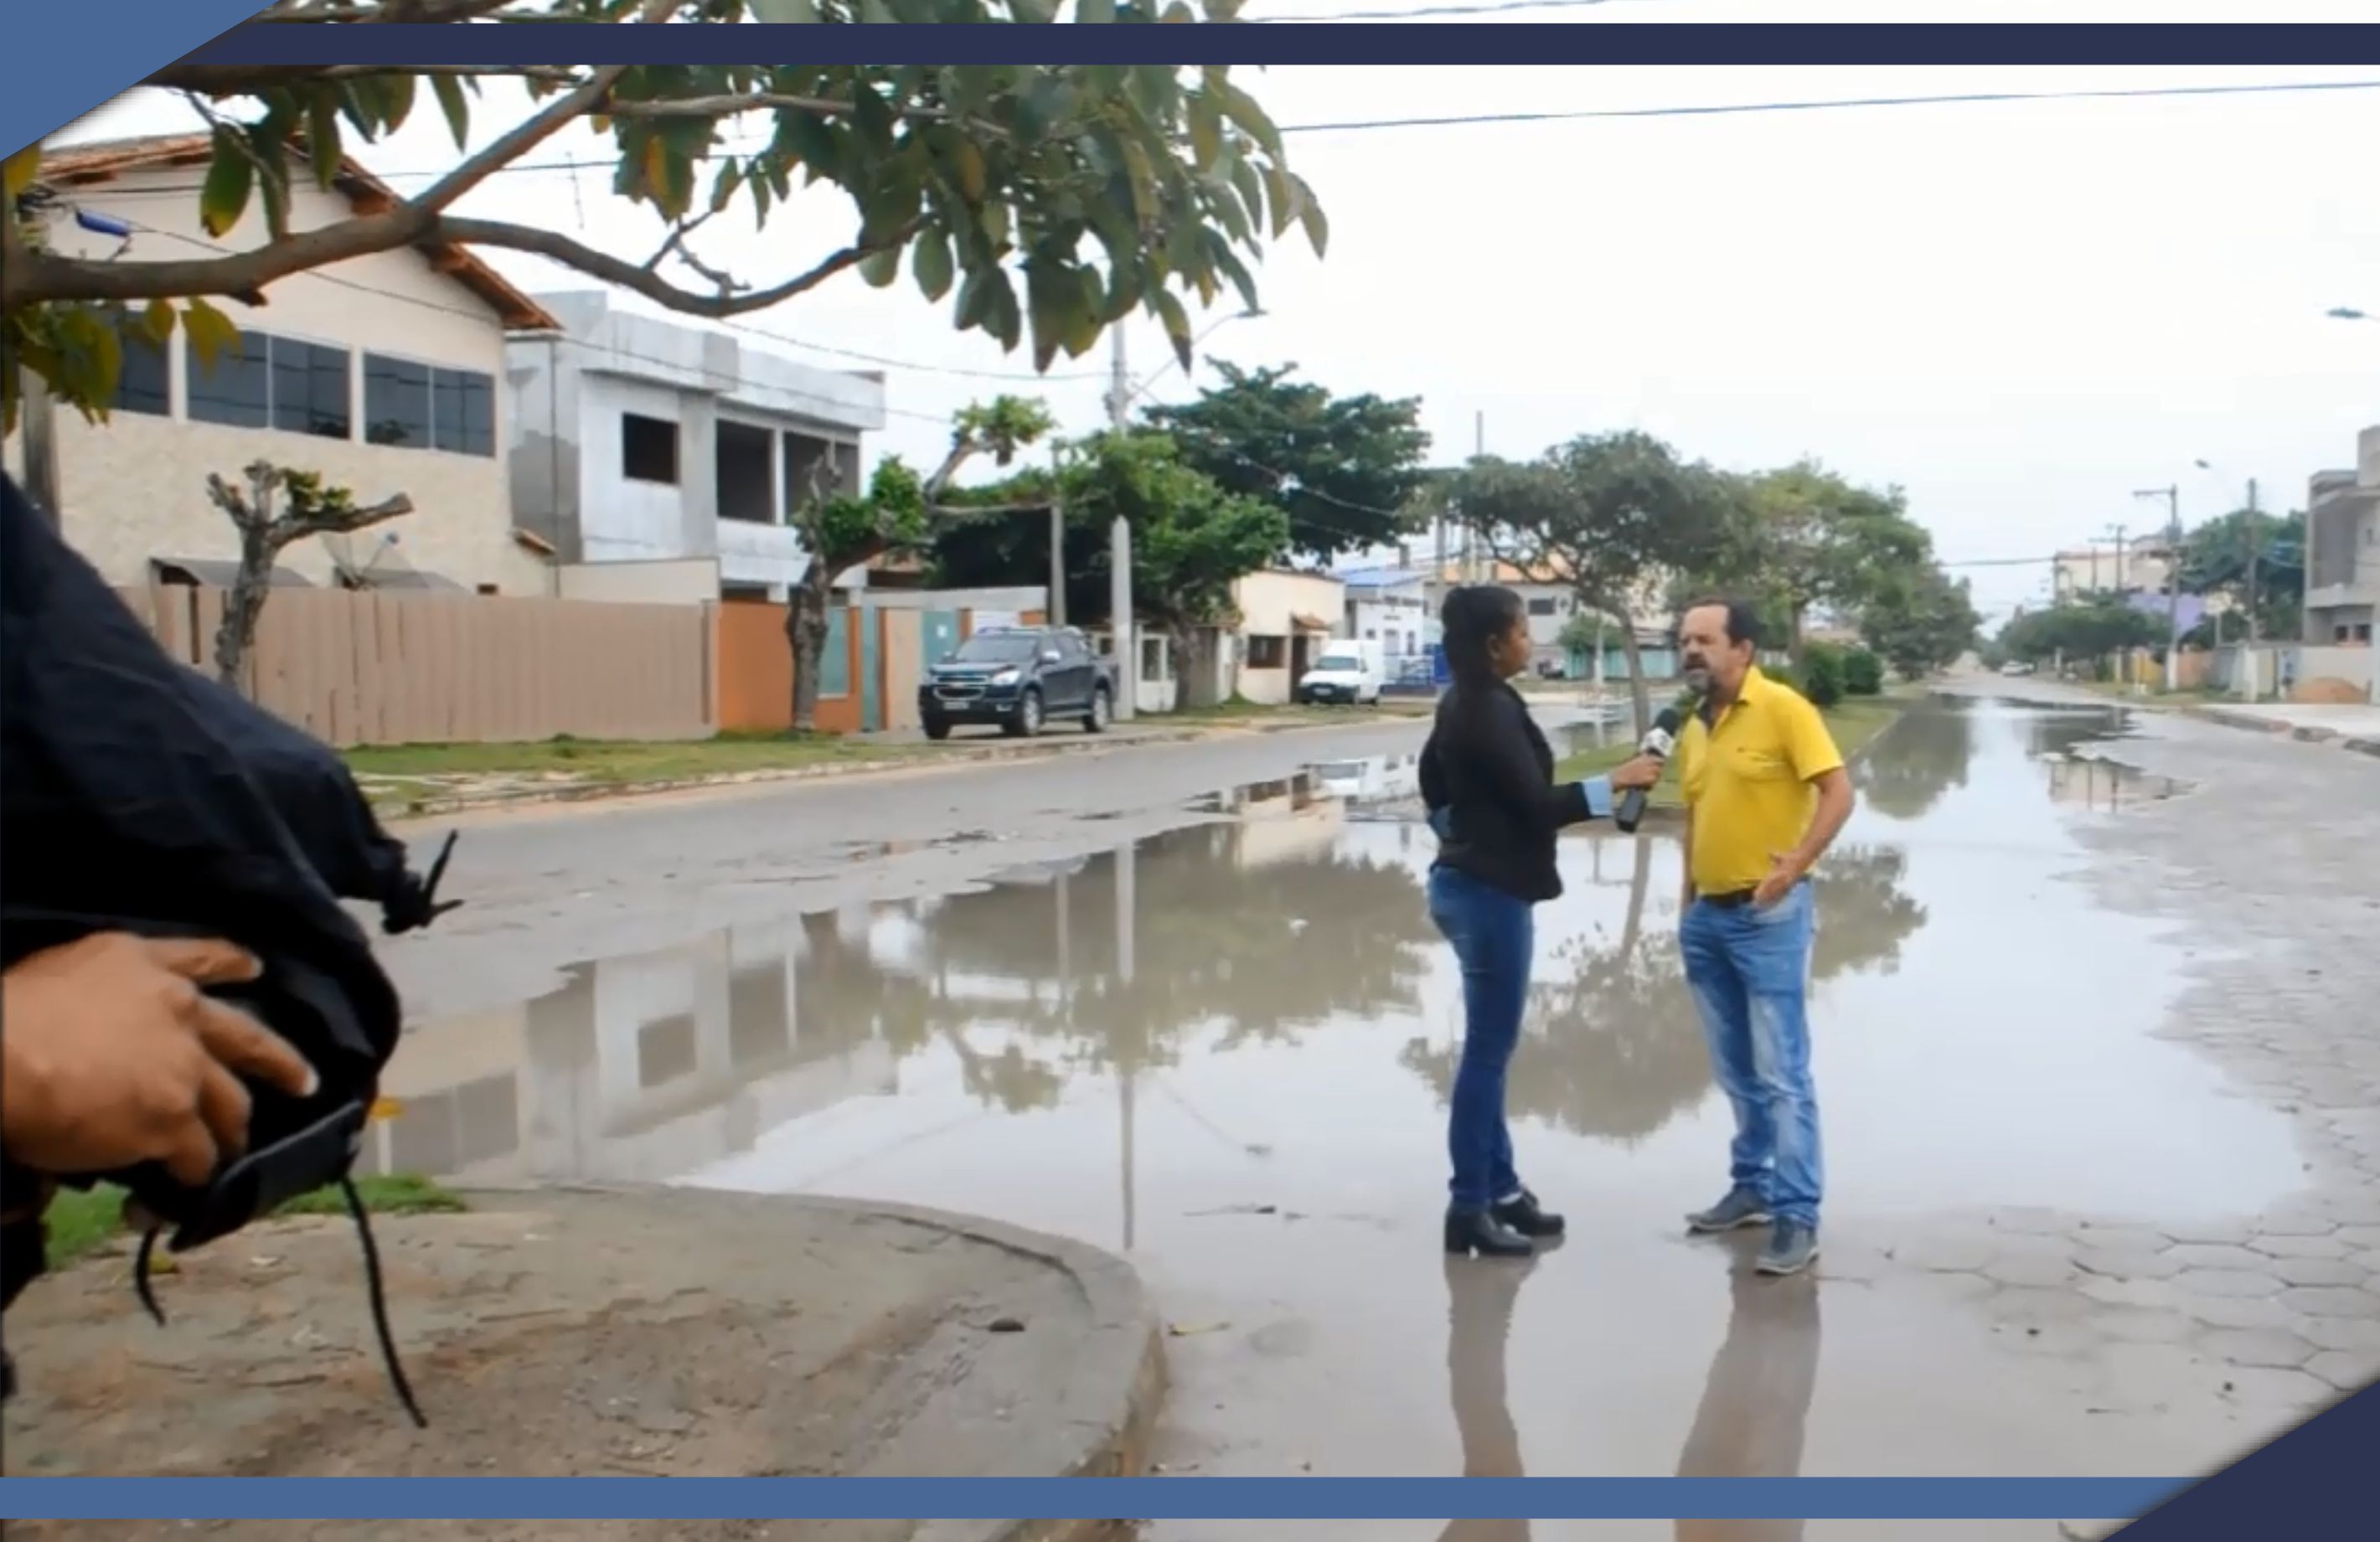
<point>806,631</point>
<point>1191,665</point>
<point>1640,695</point>
<point>243,607</point>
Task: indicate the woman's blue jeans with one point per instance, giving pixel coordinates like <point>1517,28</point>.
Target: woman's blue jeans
<point>1494,936</point>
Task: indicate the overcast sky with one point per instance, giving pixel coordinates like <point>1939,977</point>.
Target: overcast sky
<point>2020,312</point>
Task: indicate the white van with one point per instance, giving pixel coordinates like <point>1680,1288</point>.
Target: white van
<point>1348,670</point>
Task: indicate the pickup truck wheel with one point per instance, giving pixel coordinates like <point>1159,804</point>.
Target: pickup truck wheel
<point>1096,720</point>
<point>1027,720</point>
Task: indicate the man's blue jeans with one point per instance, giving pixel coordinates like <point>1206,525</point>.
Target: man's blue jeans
<point>1494,937</point>
<point>1749,970</point>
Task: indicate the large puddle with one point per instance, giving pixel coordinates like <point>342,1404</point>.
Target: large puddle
<point>1226,1050</point>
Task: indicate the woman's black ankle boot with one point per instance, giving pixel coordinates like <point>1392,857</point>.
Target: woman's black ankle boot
<point>1479,1231</point>
<point>1526,1215</point>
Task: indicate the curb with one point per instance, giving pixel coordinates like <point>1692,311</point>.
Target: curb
<point>2312,734</point>
<point>1120,1378</point>
<point>887,766</point>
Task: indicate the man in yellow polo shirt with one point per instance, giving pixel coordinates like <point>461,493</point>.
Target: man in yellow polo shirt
<point>1766,793</point>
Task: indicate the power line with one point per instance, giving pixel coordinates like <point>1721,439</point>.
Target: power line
<point>1831,104</point>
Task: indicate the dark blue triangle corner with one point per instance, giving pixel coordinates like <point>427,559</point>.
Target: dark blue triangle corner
<point>72,59</point>
<point>2310,1482</point>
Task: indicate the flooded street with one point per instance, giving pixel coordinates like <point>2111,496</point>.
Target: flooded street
<point>1223,1049</point>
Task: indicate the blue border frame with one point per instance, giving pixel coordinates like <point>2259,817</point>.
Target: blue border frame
<point>2306,1481</point>
<point>1201,1498</point>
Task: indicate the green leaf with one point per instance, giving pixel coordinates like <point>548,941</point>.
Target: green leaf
<point>1310,215</point>
<point>157,321</point>
<point>222,196</point>
<point>396,101</point>
<point>930,264</point>
<point>1034,12</point>
<point>323,138</point>
<point>799,11</point>
<point>1283,191</point>
<point>1205,131</point>
<point>1176,321</point>
<point>211,331</point>
<point>1094,12</point>
<point>1241,109</point>
<point>455,105</point>
<point>881,268</point>
<point>1250,182</point>
<point>724,188</point>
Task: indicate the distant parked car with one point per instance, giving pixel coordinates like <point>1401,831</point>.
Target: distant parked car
<point>2016,666</point>
<point>1348,670</point>
<point>1019,679</point>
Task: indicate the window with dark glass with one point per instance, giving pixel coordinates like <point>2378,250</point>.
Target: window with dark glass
<point>420,408</point>
<point>464,402</point>
<point>143,383</point>
<point>310,390</point>
<point>397,402</point>
<point>235,387</point>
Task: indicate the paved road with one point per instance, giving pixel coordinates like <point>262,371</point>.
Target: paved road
<point>2096,1051</point>
<point>554,886</point>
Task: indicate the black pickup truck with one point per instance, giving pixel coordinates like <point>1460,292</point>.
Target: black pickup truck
<point>1019,678</point>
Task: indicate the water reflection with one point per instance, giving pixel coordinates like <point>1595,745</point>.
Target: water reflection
<point>1922,755</point>
<point>1755,1407</point>
<point>1613,1047</point>
<point>660,1063</point>
<point>1481,1293</point>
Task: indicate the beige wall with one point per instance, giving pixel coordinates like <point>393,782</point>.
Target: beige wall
<point>380,668</point>
<point>690,581</point>
<point>1268,601</point>
<point>135,487</point>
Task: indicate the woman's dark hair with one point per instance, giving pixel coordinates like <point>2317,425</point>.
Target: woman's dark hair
<point>1469,620</point>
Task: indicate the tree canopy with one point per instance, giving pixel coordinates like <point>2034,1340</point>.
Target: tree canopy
<point>1606,515</point>
<point>2084,629</point>
<point>1803,538</point>
<point>2214,562</point>
<point>1044,202</point>
<point>1342,468</point>
<point>1918,618</point>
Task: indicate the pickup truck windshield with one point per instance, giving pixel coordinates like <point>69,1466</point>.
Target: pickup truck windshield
<point>1001,649</point>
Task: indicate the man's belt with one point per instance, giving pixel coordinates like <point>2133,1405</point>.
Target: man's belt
<point>1736,899</point>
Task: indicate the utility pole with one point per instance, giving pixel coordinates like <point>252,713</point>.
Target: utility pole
<point>2255,666</point>
<point>2172,496</point>
<point>1120,618</point>
<point>1057,545</point>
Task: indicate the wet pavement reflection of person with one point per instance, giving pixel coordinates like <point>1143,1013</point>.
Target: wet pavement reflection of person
<point>1755,1407</point>
<point>1481,1296</point>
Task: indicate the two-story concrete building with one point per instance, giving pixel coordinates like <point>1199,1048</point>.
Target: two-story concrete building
<point>2343,550</point>
<point>383,373</point>
<point>640,441</point>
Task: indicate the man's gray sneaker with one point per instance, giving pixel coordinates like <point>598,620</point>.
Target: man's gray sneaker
<point>1740,1207</point>
<point>1793,1247</point>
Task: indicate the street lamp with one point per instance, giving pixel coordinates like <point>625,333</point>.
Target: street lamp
<point>1121,390</point>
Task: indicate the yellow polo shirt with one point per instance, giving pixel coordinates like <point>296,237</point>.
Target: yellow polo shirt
<point>1747,778</point>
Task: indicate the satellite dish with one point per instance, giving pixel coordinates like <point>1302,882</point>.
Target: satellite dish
<point>361,562</point>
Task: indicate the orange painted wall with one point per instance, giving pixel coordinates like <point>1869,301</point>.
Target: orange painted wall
<point>755,671</point>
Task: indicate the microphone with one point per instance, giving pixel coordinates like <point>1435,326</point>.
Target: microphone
<point>1660,740</point>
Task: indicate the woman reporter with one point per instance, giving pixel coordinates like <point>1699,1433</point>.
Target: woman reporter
<point>1486,775</point>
